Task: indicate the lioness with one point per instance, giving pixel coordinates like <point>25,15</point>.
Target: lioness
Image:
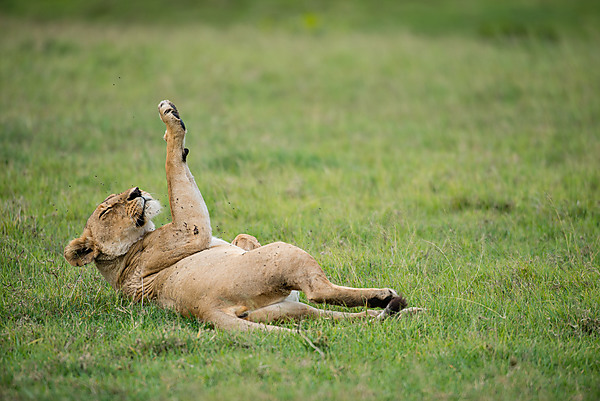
<point>237,286</point>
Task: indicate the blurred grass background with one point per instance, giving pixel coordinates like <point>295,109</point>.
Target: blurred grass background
<point>545,19</point>
<point>447,149</point>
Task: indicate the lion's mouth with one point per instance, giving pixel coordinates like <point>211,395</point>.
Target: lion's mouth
<point>149,210</point>
<point>141,219</point>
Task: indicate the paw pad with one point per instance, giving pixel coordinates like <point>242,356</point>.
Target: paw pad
<point>167,107</point>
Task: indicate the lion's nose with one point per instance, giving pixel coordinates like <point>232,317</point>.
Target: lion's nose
<point>135,193</point>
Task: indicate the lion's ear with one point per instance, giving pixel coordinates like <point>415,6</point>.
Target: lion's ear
<point>81,251</point>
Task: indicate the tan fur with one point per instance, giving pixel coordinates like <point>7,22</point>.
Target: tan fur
<point>182,267</point>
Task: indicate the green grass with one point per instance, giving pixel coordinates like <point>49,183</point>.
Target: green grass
<point>455,162</point>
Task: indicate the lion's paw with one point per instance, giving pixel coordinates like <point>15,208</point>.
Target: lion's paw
<point>395,305</point>
<point>170,116</point>
<point>399,314</point>
<point>246,242</point>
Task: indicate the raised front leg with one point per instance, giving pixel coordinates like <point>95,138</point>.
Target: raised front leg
<point>188,210</point>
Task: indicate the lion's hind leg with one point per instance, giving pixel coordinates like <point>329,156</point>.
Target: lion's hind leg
<point>292,268</point>
<point>229,322</point>
<point>289,310</point>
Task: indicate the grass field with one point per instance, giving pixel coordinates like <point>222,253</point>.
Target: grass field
<point>452,153</point>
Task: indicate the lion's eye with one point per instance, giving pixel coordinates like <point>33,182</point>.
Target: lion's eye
<point>102,213</point>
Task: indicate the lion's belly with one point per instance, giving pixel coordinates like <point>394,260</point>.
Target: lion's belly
<point>220,277</point>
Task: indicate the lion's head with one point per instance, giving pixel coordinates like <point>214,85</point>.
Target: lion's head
<point>116,224</point>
